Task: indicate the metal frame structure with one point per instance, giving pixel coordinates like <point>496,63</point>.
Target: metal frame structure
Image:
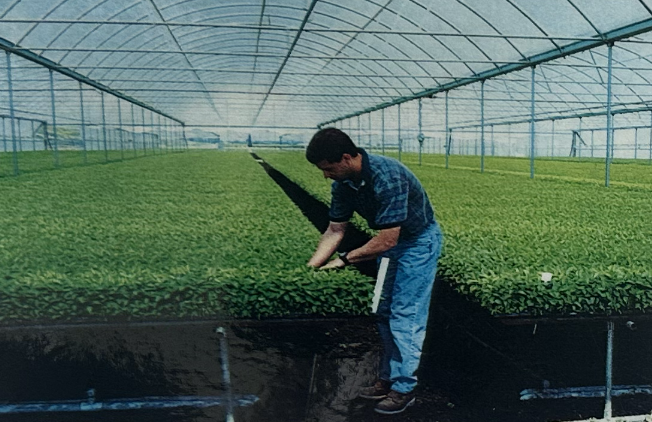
<point>608,391</point>
<point>235,65</point>
<point>229,400</point>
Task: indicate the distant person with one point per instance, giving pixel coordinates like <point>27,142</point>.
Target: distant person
<point>390,197</point>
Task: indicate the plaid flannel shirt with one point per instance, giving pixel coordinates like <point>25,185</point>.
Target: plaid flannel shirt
<point>389,195</point>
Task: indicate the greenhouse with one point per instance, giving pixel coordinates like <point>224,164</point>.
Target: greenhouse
<point>153,176</point>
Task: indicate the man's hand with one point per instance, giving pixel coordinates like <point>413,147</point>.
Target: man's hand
<point>336,263</point>
<point>328,243</point>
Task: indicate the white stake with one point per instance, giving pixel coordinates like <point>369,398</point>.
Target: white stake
<point>380,280</point>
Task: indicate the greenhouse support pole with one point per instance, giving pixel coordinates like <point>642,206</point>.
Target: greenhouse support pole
<point>449,133</point>
<point>369,124</point>
<point>133,130</point>
<point>54,121</point>
<point>33,137</point>
<point>122,139</point>
<point>106,151</point>
<point>160,138</point>
<point>482,126</point>
<point>420,135</point>
<point>382,133</point>
<point>142,119</point>
<point>110,138</point>
<point>226,376</point>
<point>592,142</point>
<point>650,156</point>
<point>552,143</point>
<point>167,135</point>
<point>609,134</point>
<point>20,135</point>
<point>609,367</point>
<point>183,134</point>
<point>359,131</point>
<point>400,142</point>
<point>12,116</point>
<point>532,105</point>
<point>579,144</point>
<point>635,143</point>
<point>83,121</point>
<point>4,135</point>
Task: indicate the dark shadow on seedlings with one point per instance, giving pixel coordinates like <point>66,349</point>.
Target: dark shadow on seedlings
<point>317,212</point>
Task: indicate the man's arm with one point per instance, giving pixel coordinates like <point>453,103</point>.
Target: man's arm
<point>328,244</point>
<point>385,240</point>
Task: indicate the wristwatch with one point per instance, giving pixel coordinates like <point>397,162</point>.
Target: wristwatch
<point>344,258</point>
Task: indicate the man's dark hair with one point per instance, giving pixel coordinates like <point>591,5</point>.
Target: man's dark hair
<point>330,144</point>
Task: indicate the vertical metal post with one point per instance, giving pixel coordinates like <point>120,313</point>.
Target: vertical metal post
<point>635,143</point>
<point>133,130</point>
<point>142,115</point>
<point>532,105</point>
<point>106,151</point>
<point>224,355</point>
<point>579,144</point>
<point>359,131</point>
<point>122,140</point>
<point>33,136</point>
<point>400,142</point>
<point>449,136</point>
<point>382,134</point>
<point>4,135</point>
<point>609,134</point>
<point>609,370</point>
<point>650,157</point>
<point>482,126</point>
<point>12,115</point>
<point>160,134</point>
<point>552,143</point>
<point>20,135</point>
<point>166,132</point>
<point>177,137</point>
<point>54,121</point>
<point>83,122</point>
<point>420,135</point>
<point>592,142</point>
<point>493,142</point>
<point>369,124</point>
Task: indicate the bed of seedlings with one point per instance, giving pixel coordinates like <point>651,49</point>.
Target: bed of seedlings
<point>180,235</point>
<point>503,230</point>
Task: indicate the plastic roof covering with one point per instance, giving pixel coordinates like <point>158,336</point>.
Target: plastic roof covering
<point>299,63</point>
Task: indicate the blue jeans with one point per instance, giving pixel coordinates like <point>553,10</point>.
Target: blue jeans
<point>404,305</point>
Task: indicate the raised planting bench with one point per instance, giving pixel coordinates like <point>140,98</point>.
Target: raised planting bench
<point>199,234</point>
<point>502,231</point>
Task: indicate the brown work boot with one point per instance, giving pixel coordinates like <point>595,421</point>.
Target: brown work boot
<point>395,403</point>
<point>377,391</point>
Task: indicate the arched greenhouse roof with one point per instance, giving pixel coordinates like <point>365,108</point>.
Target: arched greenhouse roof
<point>304,63</point>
